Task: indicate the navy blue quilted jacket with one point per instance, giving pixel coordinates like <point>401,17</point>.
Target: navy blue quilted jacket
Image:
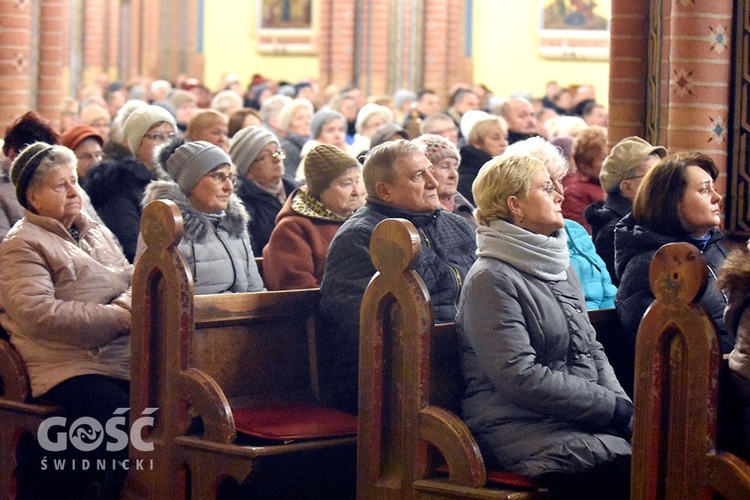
<point>448,250</point>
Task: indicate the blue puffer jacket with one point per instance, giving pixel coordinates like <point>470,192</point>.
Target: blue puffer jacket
<point>448,250</point>
<point>590,268</point>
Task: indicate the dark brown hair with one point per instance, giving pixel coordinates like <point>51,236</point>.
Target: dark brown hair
<point>657,203</point>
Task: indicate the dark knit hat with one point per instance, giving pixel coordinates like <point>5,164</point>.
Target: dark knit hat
<point>246,146</point>
<point>191,161</point>
<point>24,166</point>
<point>74,136</point>
<point>323,164</point>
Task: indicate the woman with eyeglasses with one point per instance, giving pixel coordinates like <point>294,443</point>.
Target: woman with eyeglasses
<point>215,240</point>
<point>116,186</point>
<point>541,397</point>
<point>262,185</point>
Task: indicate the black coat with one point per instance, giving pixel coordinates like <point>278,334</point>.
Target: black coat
<point>603,217</point>
<point>472,160</point>
<point>262,207</point>
<point>116,189</point>
<point>635,246</point>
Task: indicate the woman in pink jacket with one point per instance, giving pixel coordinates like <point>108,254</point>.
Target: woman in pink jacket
<point>65,302</point>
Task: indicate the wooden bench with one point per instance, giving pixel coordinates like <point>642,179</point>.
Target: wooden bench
<point>409,381</point>
<point>19,413</point>
<point>677,365</point>
<point>242,365</point>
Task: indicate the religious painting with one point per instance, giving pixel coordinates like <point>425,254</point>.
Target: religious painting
<point>285,26</point>
<point>574,29</point>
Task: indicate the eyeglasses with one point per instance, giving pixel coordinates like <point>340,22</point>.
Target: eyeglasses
<point>634,177</point>
<point>221,177</point>
<point>547,187</point>
<point>158,136</point>
<point>278,154</point>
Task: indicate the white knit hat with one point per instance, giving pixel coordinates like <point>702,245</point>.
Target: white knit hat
<point>140,122</point>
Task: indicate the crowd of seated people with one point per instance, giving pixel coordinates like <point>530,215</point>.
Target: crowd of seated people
<point>301,177</point>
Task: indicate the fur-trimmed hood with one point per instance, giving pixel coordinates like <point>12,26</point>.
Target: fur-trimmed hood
<point>734,274</point>
<point>195,223</point>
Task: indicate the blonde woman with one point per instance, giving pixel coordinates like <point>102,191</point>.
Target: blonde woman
<point>541,397</point>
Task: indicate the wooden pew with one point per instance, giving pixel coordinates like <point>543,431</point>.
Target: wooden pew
<point>244,364</point>
<point>19,413</point>
<point>408,376</point>
<point>677,366</point>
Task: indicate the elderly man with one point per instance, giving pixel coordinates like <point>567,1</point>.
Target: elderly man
<point>399,183</point>
<point>621,174</point>
<point>519,113</point>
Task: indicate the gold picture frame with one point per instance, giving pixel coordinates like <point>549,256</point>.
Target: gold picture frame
<point>285,26</point>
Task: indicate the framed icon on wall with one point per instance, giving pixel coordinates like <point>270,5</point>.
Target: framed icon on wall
<point>574,29</point>
<point>285,26</point>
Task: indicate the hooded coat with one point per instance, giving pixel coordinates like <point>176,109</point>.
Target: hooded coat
<point>59,300</point>
<point>540,395</point>
<point>448,250</point>
<point>217,249</point>
<point>116,189</point>
<point>295,256</point>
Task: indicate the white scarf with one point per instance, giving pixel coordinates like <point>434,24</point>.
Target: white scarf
<point>545,257</point>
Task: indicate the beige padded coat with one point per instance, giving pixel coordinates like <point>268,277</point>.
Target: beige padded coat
<point>59,300</point>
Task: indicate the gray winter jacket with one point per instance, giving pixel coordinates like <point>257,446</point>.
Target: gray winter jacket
<point>217,251</point>
<point>541,395</point>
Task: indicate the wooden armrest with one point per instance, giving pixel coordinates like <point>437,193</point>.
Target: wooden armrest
<point>446,432</point>
<point>209,402</point>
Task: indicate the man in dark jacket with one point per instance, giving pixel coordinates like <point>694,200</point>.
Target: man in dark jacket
<point>399,184</point>
<point>621,175</point>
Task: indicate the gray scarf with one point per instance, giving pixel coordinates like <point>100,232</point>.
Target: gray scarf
<point>545,257</point>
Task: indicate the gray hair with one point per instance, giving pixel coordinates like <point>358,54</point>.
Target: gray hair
<point>381,163</point>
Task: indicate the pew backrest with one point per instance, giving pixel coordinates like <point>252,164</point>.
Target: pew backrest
<point>676,387</point>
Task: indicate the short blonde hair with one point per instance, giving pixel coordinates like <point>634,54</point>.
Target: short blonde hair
<point>499,179</point>
<point>482,128</point>
<point>203,119</point>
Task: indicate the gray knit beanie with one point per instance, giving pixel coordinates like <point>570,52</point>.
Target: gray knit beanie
<point>140,122</point>
<point>247,145</point>
<point>191,161</point>
<point>323,164</point>
<point>320,118</point>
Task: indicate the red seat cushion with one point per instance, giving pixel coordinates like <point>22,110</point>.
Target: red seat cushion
<point>511,479</point>
<point>504,478</point>
<point>302,421</point>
